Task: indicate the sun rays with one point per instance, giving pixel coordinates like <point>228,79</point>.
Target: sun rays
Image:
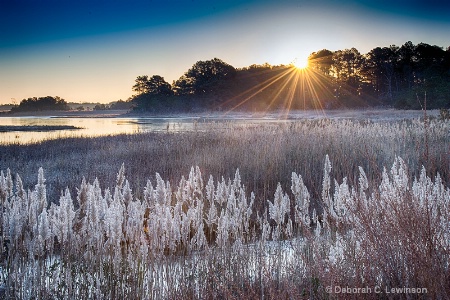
<point>301,63</point>
<point>286,88</point>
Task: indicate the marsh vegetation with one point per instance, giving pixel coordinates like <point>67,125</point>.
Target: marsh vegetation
<point>236,211</point>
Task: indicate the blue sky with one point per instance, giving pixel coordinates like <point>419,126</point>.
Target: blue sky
<point>92,50</point>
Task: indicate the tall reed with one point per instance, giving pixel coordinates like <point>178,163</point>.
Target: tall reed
<point>271,211</point>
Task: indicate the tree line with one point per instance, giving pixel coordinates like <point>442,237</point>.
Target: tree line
<point>397,76</point>
<point>406,77</point>
<point>41,104</point>
<point>403,77</point>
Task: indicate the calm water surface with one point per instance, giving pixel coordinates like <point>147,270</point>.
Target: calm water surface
<point>92,127</point>
<point>100,126</point>
<point>89,127</point>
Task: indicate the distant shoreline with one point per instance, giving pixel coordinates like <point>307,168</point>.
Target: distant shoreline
<point>40,128</point>
<point>68,113</point>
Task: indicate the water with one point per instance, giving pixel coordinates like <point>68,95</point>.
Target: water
<point>89,127</point>
<point>101,126</point>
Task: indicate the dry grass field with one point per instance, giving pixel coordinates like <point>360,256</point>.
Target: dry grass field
<point>239,211</point>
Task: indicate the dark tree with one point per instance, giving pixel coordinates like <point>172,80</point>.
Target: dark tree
<point>347,76</point>
<point>120,104</point>
<point>322,61</point>
<point>41,104</point>
<point>184,85</point>
<point>347,66</point>
<point>379,69</point>
<point>422,71</point>
<point>202,76</point>
<point>407,58</point>
<point>158,86</point>
<point>152,93</point>
<point>430,61</point>
<point>155,85</point>
<point>141,85</point>
<point>101,107</point>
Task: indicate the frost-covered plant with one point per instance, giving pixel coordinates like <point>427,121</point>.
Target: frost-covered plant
<point>302,200</point>
<point>211,216</point>
<point>62,219</point>
<point>341,196</point>
<point>15,221</point>
<point>279,212</point>
<point>41,192</point>
<point>43,240</point>
<point>121,245</point>
<point>330,215</point>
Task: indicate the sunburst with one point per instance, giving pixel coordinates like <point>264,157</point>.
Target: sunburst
<point>299,85</point>
<point>300,63</point>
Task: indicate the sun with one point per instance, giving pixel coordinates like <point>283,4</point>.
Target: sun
<point>300,63</point>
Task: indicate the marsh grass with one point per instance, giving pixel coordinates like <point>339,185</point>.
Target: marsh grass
<point>264,154</point>
<point>132,238</point>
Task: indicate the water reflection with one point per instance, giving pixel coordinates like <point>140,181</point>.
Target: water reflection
<point>100,126</point>
<point>92,127</point>
<point>89,127</point>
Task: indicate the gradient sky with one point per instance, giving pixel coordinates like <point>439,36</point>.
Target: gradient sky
<point>92,50</point>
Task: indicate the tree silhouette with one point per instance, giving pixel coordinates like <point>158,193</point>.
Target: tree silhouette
<point>406,64</point>
<point>379,69</point>
<point>155,85</point>
<point>347,66</point>
<point>151,92</point>
<point>41,104</point>
<point>184,85</point>
<point>158,86</point>
<point>394,76</point>
<point>201,77</point>
<point>347,74</point>
<point>321,60</point>
<point>140,87</point>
